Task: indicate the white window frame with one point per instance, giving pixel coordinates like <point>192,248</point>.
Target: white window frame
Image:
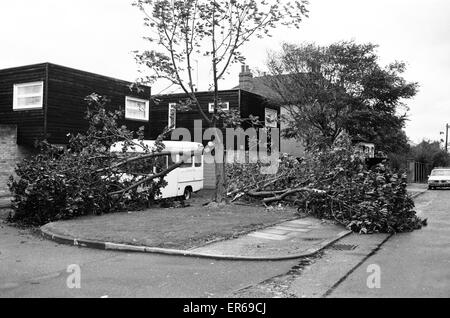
<point>270,111</point>
<point>211,106</point>
<point>139,100</point>
<point>172,107</point>
<point>16,96</point>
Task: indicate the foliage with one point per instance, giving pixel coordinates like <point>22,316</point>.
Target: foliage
<point>185,31</point>
<point>341,88</point>
<point>63,183</point>
<point>430,153</point>
<point>334,184</point>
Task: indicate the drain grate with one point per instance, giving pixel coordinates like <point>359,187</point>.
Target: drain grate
<point>344,247</point>
<point>311,239</point>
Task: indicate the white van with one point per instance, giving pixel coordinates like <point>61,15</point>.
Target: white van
<point>182,181</point>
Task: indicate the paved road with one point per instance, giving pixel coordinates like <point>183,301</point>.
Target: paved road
<point>415,264</point>
<point>412,265</point>
<point>33,267</point>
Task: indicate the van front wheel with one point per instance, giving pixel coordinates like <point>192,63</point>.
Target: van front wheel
<point>187,193</point>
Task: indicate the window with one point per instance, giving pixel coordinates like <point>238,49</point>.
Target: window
<point>198,161</point>
<point>172,116</point>
<point>223,105</point>
<point>271,116</point>
<point>187,160</point>
<point>28,96</point>
<point>161,164</point>
<point>136,109</point>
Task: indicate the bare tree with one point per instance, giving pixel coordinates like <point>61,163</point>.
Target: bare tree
<point>182,31</point>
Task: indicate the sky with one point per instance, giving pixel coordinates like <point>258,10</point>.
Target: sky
<point>100,35</point>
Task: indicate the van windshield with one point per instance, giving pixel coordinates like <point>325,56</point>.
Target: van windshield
<point>441,172</point>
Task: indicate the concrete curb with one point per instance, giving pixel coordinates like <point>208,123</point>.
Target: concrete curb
<point>418,194</point>
<point>155,250</point>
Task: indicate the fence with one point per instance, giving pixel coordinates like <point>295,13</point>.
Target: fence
<point>418,172</point>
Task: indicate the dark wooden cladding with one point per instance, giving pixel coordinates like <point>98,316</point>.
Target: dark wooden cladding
<point>66,105</point>
<point>159,110</point>
<point>30,123</point>
<point>247,103</point>
<point>253,104</point>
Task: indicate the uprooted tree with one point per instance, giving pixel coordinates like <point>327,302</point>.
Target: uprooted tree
<point>86,177</point>
<point>334,184</point>
<point>183,31</point>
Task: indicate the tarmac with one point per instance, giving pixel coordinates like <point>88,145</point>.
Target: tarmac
<point>293,239</point>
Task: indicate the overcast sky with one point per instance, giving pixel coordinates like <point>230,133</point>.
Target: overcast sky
<point>99,35</point>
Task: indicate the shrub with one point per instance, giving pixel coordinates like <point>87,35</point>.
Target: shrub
<point>63,183</point>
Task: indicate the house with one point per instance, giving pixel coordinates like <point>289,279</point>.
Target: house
<point>48,100</point>
<point>163,113</point>
<point>264,86</point>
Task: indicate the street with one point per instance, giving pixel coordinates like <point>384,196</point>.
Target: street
<point>412,265</point>
<point>33,267</point>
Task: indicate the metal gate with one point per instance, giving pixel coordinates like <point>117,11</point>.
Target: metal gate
<point>418,172</point>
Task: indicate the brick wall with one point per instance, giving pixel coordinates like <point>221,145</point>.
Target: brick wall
<point>10,154</point>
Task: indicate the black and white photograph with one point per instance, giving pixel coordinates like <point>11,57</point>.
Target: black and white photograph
<point>225,154</point>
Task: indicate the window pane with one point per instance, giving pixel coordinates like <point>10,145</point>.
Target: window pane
<point>161,163</point>
<point>136,113</point>
<point>28,95</point>
<point>136,109</point>
<point>29,101</point>
<point>29,90</point>
<point>221,105</point>
<point>187,161</point>
<point>198,160</point>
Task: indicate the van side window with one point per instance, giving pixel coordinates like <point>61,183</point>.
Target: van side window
<point>187,163</point>
<point>170,160</point>
<point>161,164</point>
<point>198,161</point>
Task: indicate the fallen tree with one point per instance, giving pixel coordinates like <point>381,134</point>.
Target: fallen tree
<point>86,178</point>
<point>333,184</point>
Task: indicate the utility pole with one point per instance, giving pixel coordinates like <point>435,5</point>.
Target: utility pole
<point>446,137</point>
<point>447,126</point>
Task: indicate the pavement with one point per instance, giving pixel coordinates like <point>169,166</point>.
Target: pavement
<point>287,240</point>
<point>292,239</point>
<point>416,189</point>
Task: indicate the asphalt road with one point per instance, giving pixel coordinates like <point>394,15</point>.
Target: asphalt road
<point>414,264</point>
<point>33,267</point>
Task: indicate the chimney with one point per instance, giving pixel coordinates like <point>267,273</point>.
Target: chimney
<point>245,78</point>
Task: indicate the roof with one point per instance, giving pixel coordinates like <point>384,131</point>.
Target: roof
<point>274,87</point>
<point>46,64</point>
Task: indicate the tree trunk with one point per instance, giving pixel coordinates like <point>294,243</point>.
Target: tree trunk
<point>220,182</point>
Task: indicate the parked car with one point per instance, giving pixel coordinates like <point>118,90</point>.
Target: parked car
<point>439,178</point>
